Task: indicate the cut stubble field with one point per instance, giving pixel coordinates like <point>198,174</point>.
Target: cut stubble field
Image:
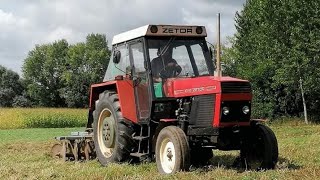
<point>25,154</point>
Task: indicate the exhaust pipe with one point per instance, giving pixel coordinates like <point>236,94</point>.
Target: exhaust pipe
<point>218,48</point>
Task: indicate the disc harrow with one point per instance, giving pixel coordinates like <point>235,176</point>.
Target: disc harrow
<point>79,146</point>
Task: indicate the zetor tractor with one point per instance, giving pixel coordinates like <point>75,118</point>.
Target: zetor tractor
<point>161,100</point>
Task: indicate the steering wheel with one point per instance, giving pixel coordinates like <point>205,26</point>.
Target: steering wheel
<point>171,70</point>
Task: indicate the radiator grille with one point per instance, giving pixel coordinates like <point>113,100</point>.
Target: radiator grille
<point>202,110</point>
<point>236,87</point>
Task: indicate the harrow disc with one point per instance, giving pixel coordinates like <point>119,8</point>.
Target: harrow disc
<point>56,151</point>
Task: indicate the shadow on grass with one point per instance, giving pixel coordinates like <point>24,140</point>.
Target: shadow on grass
<point>227,162</point>
<point>284,163</point>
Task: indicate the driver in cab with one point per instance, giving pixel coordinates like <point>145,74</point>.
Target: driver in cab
<point>164,66</point>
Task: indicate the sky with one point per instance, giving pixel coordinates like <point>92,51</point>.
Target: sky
<point>25,23</point>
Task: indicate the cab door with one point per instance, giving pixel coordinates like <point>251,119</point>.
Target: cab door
<point>140,80</point>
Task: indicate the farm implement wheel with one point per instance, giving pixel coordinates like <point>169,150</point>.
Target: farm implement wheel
<point>112,133</point>
<point>260,149</point>
<point>56,151</point>
<point>172,150</point>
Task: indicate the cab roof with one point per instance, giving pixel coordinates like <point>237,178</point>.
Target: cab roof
<point>160,30</point>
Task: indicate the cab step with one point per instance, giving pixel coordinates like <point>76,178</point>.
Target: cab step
<point>139,155</point>
<point>140,138</point>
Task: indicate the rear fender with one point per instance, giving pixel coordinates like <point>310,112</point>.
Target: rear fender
<point>125,91</point>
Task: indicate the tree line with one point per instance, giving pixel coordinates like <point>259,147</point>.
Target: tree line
<point>56,74</point>
<point>277,48</point>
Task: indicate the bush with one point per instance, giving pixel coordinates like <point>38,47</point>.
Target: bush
<point>13,118</point>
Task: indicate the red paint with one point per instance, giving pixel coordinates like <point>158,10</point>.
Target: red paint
<point>236,96</point>
<point>216,117</point>
<point>125,92</point>
<point>183,87</point>
<point>127,101</point>
<point>96,89</point>
<point>229,97</point>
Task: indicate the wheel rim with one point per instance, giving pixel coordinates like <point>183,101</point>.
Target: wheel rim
<point>106,132</point>
<point>167,155</point>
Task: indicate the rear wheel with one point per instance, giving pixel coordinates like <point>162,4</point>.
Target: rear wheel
<point>112,133</point>
<point>172,150</point>
<point>260,148</point>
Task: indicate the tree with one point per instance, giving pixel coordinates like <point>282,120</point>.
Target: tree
<point>59,74</point>
<point>87,63</point>
<point>277,44</point>
<point>11,87</point>
<point>229,58</point>
<point>43,69</point>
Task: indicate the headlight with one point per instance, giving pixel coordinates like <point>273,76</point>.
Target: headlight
<point>245,109</point>
<point>225,110</point>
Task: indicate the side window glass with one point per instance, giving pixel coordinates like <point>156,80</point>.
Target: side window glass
<point>138,57</point>
<point>122,68</point>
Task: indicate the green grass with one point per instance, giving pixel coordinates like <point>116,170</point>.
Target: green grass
<point>25,154</point>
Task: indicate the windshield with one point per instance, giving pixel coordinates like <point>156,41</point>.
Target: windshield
<point>190,55</point>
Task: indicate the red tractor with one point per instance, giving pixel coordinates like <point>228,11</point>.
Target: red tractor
<point>160,100</point>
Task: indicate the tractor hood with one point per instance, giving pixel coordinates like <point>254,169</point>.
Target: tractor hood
<point>192,86</point>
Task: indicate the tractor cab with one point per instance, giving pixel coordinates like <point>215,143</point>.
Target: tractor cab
<point>152,54</point>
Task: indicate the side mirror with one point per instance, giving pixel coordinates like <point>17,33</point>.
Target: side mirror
<point>116,56</point>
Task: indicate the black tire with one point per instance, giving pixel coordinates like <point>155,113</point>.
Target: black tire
<point>172,141</point>
<point>119,144</point>
<point>201,156</point>
<point>260,149</point>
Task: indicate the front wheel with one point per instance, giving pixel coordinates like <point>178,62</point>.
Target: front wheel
<point>259,149</point>
<point>172,150</point>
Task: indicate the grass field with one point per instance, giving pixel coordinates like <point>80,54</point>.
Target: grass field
<point>25,154</point>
